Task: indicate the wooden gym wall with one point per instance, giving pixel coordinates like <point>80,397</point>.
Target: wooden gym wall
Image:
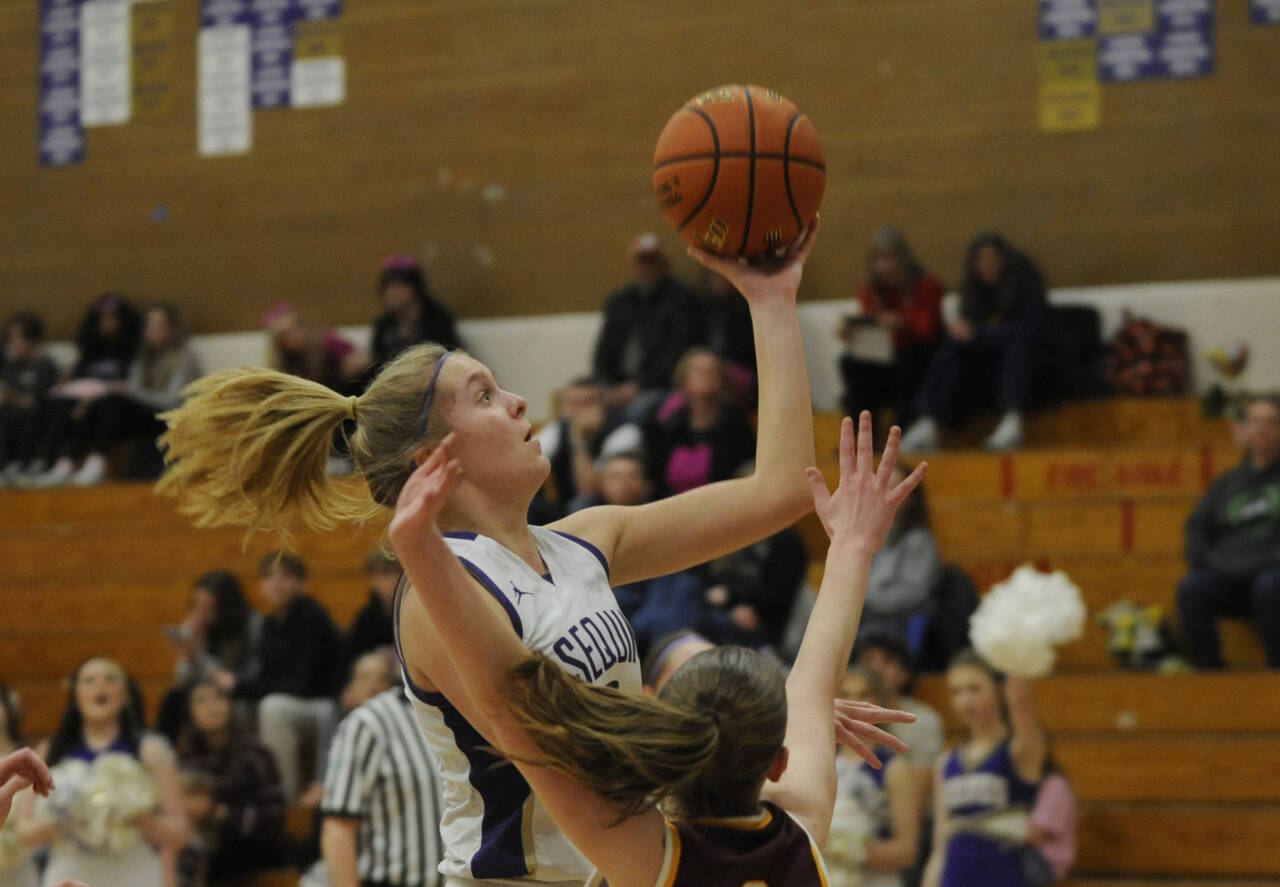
<point>927,107</point>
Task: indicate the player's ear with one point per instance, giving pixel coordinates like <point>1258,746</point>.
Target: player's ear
<point>779,765</point>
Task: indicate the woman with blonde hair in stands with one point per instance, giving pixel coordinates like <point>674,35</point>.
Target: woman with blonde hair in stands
<point>249,448</point>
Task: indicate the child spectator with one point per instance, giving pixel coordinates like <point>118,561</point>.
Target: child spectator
<point>373,625</point>
<point>218,632</point>
<point>247,819</point>
<point>410,315</point>
<point>108,342</point>
<point>889,658</point>
<point>903,299</point>
<point>299,347</point>
<point>1052,832</point>
<point>198,803</point>
<point>707,439</point>
<point>1003,307</point>
<point>294,672</point>
<point>28,374</point>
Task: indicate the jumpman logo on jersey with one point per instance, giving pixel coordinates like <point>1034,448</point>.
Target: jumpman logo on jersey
<point>519,594</point>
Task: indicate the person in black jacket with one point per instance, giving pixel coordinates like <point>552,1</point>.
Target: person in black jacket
<point>647,326</point>
<point>411,315</point>
<point>1233,546</point>
<point>296,672</point>
<point>373,626</point>
<point>1003,307</point>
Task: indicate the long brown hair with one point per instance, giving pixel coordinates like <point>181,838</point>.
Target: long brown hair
<point>250,447</point>
<point>703,746</point>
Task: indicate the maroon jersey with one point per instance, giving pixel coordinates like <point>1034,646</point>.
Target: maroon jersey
<point>769,849</point>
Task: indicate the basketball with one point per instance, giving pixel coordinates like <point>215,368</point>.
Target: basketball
<point>739,171</point>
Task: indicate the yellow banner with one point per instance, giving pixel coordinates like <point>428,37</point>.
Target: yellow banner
<point>316,39</point>
<point>152,38</point>
<point>1070,96</point>
<point>1126,16</point>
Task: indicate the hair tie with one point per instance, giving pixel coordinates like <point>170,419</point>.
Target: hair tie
<point>351,407</point>
<point>713,714</point>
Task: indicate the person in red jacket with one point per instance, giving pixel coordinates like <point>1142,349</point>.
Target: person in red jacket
<point>904,300</point>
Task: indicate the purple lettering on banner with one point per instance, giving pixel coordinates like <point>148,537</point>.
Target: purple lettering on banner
<point>1185,53</point>
<point>224,12</point>
<point>271,52</point>
<point>317,9</point>
<point>60,135</point>
<point>1177,15</point>
<point>1123,57</point>
<point>1264,12</point>
<point>1067,19</point>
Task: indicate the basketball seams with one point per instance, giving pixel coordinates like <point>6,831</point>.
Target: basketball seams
<point>715,169</point>
<point>732,155</point>
<point>786,169</point>
<point>751,171</point>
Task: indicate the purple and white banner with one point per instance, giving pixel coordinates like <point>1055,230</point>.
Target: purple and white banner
<point>1181,44</point>
<point>1123,57</point>
<point>59,133</point>
<point>1264,12</point>
<point>272,51</point>
<point>1067,19</point>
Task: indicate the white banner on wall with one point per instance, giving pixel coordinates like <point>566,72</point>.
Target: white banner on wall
<point>225,119</point>
<point>106,62</point>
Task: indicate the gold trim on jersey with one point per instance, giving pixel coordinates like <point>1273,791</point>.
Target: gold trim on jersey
<point>526,835</point>
<point>753,822</point>
<point>670,857</point>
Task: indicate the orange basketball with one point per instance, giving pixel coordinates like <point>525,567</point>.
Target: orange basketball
<point>739,171</point>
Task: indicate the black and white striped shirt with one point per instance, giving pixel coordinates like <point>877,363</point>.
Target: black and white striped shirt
<point>381,772</point>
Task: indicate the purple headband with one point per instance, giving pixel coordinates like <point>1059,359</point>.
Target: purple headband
<point>661,659</point>
<point>430,395</point>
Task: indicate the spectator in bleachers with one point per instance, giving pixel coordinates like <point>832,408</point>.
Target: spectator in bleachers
<point>904,571</point>
<point>218,632</point>
<point>647,326</point>
<point>891,798</point>
<point>17,866</point>
<point>1233,546</point>
<point>586,432</point>
<point>198,804</point>
<point>411,315</point>
<point>101,718</point>
<point>382,799</point>
<point>707,439</point>
<point>107,342</point>
<point>750,592</point>
<point>373,625</point>
<point>295,670</point>
<point>27,375</point>
<point>299,347</point>
<point>663,604</point>
<point>248,813</point>
<point>889,658</point>
<point>128,409</point>
<point>730,334</point>
<point>989,348</point>
<point>985,786</point>
<point>905,301</point>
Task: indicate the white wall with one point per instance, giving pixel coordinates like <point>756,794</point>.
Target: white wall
<point>534,355</point>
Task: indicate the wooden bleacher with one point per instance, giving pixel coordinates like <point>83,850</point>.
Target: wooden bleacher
<point>1179,776</point>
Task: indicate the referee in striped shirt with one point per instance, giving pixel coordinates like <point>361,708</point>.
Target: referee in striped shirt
<point>381,798</point>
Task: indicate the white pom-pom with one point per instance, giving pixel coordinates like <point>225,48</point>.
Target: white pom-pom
<point>1021,619</point>
<point>846,849</point>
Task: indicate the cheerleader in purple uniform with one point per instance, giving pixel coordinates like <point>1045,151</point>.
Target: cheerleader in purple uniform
<point>985,786</point>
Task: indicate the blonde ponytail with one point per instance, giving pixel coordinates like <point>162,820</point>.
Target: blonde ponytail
<point>250,448</point>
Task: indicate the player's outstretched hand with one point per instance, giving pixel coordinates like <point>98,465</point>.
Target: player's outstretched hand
<point>27,764</point>
<point>765,275</point>
<point>425,494</point>
<point>855,728</point>
<point>861,509</point>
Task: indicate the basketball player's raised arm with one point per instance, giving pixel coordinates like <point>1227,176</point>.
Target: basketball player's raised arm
<point>857,518</point>
<point>696,526</point>
<point>477,641</point>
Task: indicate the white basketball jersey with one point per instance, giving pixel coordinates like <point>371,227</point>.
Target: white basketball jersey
<point>493,827</point>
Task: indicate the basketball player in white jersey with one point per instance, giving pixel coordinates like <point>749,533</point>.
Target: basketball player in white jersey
<point>249,448</point>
